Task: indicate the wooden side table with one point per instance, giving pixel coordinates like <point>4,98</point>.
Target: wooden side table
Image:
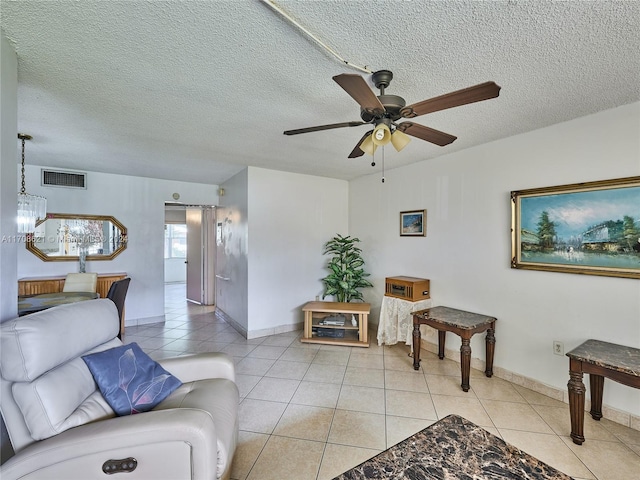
<point>599,360</point>
<point>464,324</point>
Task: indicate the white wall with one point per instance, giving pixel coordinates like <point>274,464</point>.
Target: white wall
<point>138,203</point>
<point>274,227</point>
<point>466,253</point>
<point>291,216</point>
<point>8,202</point>
<point>8,188</point>
<point>175,270</point>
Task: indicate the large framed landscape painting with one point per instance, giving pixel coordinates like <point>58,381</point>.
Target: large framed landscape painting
<point>590,228</point>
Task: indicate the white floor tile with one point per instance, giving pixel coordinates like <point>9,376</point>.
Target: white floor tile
<point>311,411</point>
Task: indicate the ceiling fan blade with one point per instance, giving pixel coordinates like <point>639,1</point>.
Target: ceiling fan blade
<point>357,152</point>
<point>357,87</point>
<point>323,127</point>
<point>477,93</point>
<point>425,133</point>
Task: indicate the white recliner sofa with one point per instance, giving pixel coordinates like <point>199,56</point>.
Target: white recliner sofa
<point>61,427</point>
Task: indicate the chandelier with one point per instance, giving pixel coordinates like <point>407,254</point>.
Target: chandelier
<point>30,207</point>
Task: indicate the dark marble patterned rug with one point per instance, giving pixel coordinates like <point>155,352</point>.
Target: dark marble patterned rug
<point>453,448</point>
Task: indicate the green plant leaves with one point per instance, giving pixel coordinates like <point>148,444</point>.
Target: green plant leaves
<point>346,273</point>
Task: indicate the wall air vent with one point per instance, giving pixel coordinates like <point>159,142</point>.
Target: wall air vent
<point>62,178</point>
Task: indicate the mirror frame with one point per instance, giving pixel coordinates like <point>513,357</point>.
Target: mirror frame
<point>31,246</point>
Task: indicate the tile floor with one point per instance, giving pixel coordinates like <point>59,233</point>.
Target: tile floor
<point>311,412</point>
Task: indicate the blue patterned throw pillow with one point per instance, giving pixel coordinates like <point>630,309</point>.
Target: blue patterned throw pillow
<point>129,380</point>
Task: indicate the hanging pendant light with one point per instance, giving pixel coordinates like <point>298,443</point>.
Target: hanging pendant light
<point>30,207</point>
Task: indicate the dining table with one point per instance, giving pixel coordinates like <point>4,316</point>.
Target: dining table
<point>36,303</point>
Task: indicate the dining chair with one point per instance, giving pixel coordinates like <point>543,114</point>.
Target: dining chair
<point>80,282</point>
<point>117,293</point>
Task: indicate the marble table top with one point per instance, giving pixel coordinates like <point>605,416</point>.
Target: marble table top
<point>455,317</point>
<point>609,355</point>
<point>453,448</point>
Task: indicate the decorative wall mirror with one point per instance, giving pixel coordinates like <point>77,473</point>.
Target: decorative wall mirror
<point>63,237</point>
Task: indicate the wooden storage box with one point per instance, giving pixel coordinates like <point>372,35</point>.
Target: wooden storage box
<point>407,288</point>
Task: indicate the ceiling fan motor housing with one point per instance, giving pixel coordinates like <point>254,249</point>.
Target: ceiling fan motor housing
<point>382,78</point>
<point>392,103</point>
<point>392,106</point>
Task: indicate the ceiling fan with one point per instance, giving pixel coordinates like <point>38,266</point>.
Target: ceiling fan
<point>382,112</point>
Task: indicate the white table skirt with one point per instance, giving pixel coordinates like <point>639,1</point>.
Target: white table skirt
<point>396,320</point>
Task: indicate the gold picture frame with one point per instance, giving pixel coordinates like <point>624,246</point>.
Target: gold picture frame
<point>590,228</point>
<point>60,236</point>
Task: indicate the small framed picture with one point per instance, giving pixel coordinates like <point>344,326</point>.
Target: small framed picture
<point>413,223</point>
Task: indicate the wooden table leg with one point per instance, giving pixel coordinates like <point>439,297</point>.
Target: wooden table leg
<point>364,326</point>
<point>576,390</point>
<point>465,362</point>
<point>442,336</point>
<point>308,324</point>
<point>596,385</point>
<point>416,346</point>
<point>490,342</point>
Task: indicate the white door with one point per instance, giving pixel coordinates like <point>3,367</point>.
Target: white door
<point>195,266</point>
<point>209,256</point>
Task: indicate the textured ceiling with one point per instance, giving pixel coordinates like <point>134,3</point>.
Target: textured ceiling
<point>197,90</point>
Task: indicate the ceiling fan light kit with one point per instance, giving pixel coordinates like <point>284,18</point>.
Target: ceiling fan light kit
<point>382,111</point>
<point>368,146</point>
<point>399,140</point>
<point>381,134</point>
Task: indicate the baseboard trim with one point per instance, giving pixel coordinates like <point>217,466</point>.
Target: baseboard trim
<point>275,330</point>
<point>236,326</point>
<point>626,419</point>
<point>143,321</point>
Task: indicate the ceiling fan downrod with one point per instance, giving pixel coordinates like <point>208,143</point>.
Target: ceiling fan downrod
<point>392,103</point>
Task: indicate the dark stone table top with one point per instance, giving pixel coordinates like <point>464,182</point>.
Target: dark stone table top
<point>455,317</point>
<point>453,448</point>
<point>609,355</point>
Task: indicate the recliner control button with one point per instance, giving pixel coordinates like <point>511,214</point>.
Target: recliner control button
<point>116,466</point>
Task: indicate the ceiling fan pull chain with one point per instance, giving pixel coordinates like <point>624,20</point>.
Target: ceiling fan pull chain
<point>383,164</point>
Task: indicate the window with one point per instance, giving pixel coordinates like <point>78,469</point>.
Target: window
<point>175,240</point>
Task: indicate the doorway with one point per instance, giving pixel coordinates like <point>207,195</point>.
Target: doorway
<point>190,251</point>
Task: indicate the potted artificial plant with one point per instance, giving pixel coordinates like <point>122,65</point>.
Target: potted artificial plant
<point>346,266</point>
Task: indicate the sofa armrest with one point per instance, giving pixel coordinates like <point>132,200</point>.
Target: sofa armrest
<point>183,439</point>
<point>199,366</point>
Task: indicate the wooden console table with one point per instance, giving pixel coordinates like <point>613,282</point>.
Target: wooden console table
<point>54,284</point>
<point>353,336</point>
<point>465,324</point>
<point>599,360</point>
